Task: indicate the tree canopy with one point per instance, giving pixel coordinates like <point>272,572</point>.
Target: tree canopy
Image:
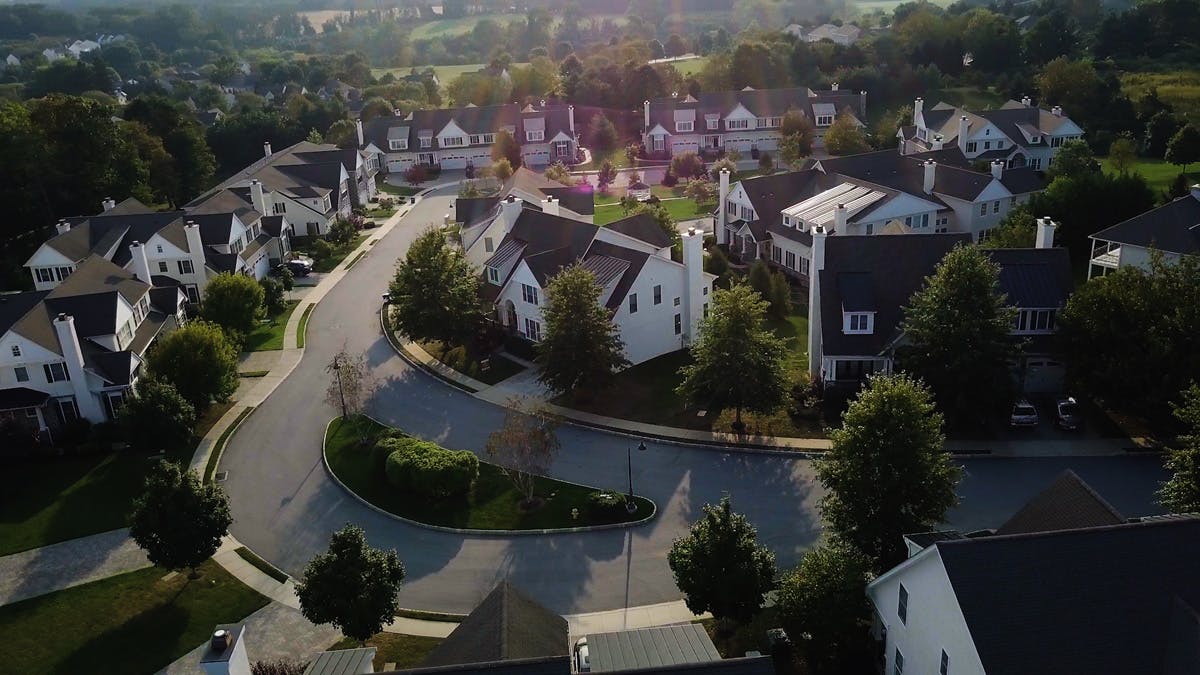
<point>1181,493</point>
<point>157,417</point>
<point>581,347</point>
<point>199,361</point>
<point>434,294</point>
<point>351,585</point>
<point>234,302</point>
<point>178,520</point>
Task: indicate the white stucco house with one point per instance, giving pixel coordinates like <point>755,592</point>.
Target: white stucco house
<point>1173,230</point>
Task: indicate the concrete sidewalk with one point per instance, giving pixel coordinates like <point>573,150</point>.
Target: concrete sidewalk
<point>70,563</point>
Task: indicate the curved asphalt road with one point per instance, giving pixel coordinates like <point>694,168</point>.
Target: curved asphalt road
<point>285,505</point>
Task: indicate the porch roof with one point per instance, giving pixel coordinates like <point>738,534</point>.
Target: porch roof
<point>19,398</point>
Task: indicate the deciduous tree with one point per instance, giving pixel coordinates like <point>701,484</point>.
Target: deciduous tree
<point>1181,493</point>
<point>234,302</point>
<point>156,417</point>
<point>845,137</point>
<point>505,147</point>
<point>199,361</point>
<point>1122,153</point>
<point>1184,148</point>
<point>352,585</point>
<point>582,347</point>
<point>435,293</point>
<point>602,135</point>
<point>179,521</point>
<point>525,447</point>
<point>1018,229</point>
<point>350,382</point>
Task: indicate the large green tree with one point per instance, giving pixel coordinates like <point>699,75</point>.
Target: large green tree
<point>720,567</point>
<point>581,347</point>
<point>602,135</point>
<point>824,608</point>
<point>157,417</point>
<point>179,521</point>
<point>435,293</point>
<point>957,329</point>
<point>737,362</point>
<point>845,137</point>
<point>199,361</point>
<point>234,302</point>
<point>352,585</point>
<point>505,147</point>
<point>1181,493</point>
<point>887,473</point>
<point>1018,229</point>
<point>182,137</point>
<point>1184,147</point>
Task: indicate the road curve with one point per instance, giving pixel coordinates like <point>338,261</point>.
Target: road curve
<point>285,505</point>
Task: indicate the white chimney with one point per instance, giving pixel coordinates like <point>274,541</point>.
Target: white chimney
<point>833,87</point>
<point>1195,190</point>
<point>358,127</point>
<point>815,351</point>
<point>196,253</point>
<point>722,197</point>
<point>550,206</point>
<point>862,103</point>
<point>646,108</point>
<point>571,120</point>
<point>108,204</point>
<point>225,653</point>
<point>939,142</point>
<point>68,340</point>
<point>141,264</point>
<point>1057,111</point>
<point>918,106</point>
<point>964,127</point>
<point>63,226</point>
<point>258,198</point>
<point>930,175</point>
<point>997,169</point>
<point>510,209</point>
<point>266,148</point>
<point>693,264</point>
<point>839,219</point>
<point>1045,233</point>
<point>1026,101</point>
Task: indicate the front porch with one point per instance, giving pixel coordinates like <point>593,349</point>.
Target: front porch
<point>852,371</point>
<point>1106,258</point>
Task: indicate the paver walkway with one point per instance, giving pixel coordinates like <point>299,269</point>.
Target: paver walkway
<point>275,631</point>
<point>70,563</point>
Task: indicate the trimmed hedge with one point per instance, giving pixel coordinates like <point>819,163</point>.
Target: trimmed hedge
<point>604,505</point>
<point>427,469</point>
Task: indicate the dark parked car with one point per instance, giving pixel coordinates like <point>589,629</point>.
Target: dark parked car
<point>1067,414</point>
<point>299,267</point>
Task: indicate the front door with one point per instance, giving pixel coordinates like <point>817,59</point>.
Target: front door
<point>425,157</point>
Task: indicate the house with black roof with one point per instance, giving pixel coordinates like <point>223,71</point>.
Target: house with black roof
<point>748,120</point>
<point>455,138</point>
<point>860,285</point>
<point>1173,230</point>
<point>1067,585</point>
<point>1018,133</point>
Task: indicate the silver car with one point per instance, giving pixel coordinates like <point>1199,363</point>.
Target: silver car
<point>1023,414</point>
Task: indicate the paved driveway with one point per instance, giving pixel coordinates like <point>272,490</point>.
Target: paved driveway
<point>285,505</point>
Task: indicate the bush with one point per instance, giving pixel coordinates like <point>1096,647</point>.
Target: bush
<point>428,470</point>
<point>670,180</point>
<point>605,505</point>
<point>280,666</point>
<point>273,297</point>
<point>285,277</point>
<point>716,263</point>
<point>688,165</point>
<point>322,250</point>
<point>342,232</point>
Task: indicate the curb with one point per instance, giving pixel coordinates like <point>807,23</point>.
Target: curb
<point>473,531</point>
<point>408,358</point>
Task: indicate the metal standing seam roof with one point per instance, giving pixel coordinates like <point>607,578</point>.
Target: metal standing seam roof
<point>342,662</point>
<point>508,250</point>
<point>819,209</point>
<point>662,646</point>
<point>605,268</point>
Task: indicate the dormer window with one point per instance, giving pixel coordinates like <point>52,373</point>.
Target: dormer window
<point>493,275</point>
<point>860,323</point>
<point>452,141</point>
<point>427,141</point>
<point>824,120</point>
<point>398,144</point>
<point>737,124</point>
<point>535,136</point>
<point>713,123</point>
<point>685,126</point>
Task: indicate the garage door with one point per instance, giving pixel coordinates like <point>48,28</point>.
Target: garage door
<point>1043,376</point>
<point>678,147</point>
<point>538,157</point>
<point>739,144</point>
<point>454,162</point>
<point>399,165</point>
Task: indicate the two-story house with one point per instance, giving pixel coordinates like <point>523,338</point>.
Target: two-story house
<point>860,285</point>
<point>455,138</point>
<point>655,302</point>
<point>1067,585</point>
<point>1172,229</point>
<point>744,121</point>
<point>1018,133</point>
<point>537,191</point>
<point>185,247</point>
<point>73,352</point>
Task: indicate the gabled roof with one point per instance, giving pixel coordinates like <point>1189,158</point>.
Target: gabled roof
<point>304,170</point>
<point>13,306</point>
<point>1069,503</point>
<point>506,625</point>
<point>1095,600</point>
<point>1173,227</point>
<point>760,102</point>
<point>1034,277</point>
<point>769,195</point>
<point>643,227</point>
<point>907,174</point>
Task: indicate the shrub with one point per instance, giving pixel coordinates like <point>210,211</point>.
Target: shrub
<point>670,179</point>
<point>605,505</point>
<point>716,263</point>
<point>273,297</point>
<point>429,470</point>
<point>280,666</point>
<point>342,232</point>
<point>285,277</point>
<point>688,165</point>
<point>416,174</point>
<point>322,250</point>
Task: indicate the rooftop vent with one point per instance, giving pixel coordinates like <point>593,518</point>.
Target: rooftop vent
<point>220,640</point>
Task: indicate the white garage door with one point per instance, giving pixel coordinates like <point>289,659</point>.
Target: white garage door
<point>1044,376</point>
<point>678,147</point>
<point>538,158</point>
<point>740,144</point>
<point>399,165</point>
<point>454,162</point>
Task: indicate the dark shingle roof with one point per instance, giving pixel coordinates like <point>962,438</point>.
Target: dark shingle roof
<point>15,398</point>
<point>507,625</point>
<point>907,174</point>
<point>1095,600</point>
<point>471,210</point>
<point>1033,277</point>
<point>771,194</point>
<point>578,198</point>
<point>643,227</point>
<point>927,539</point>
<point>13,306</point>
<point>761,102</point>
<point>1067,504</point>
<point>1172,227</point>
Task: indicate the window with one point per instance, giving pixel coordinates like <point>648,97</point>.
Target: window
<point>658,294</point>
<point>678,324</point>
<point>493,275</point>
<point>398,144</point>
<point>62,272</point>
<point>532,135</point>
<point>562,148</point>
<point>16,351</point>
<point>22,373</point>
<point>870,228</point>
<point>56,372</point>
<point>776,254</point>
<point>730,208</point>
<point>488,246</point>
<point>44,275</point>
<point>706,310</point>
<point>685,126</point>
<point>192,293</point>
<point>529,294</point>
<point>452,142</point>
<point>1056,142</point>
<point>972,146</point>
<point>983,209</point>
<point>737,124</point>
<point>824,120</point>
<point>425,141</point>
<point>489,138</point>
<point>476,139</point>
<point>704,291</point>
<point>804,266</point>
<point>68,410</point>
<point>676,301</point>
<point>162,267</point>
<point>185,267</point>
<point>533,330</point>
<point>633,303</point>
<point>857,322</point>
<point>713,123</point>
<point>996,207</point>
<point>924,220</point>
<point>789,259</point>
<point>999,145</point>
<point>987,145</point>
<point>278,208</point>
<point>1035,163</point>
<point>898,664</point>
<point>902,606</point>
<point>945,667</point>
<point>1034,321</point>
<point>747,213</point>
<point>658,142</point>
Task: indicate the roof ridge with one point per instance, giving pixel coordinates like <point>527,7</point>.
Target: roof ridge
<point>1133,523</point>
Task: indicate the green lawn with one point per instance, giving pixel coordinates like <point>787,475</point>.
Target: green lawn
<point>492,505</point>
<point>1158,173</point>
<point>406,651</point>
<point>1178,88</point>
<point>460,359</point>
<point>131,623</point>
<point>680,209</point>
<point>444,28</point>
<point>617,157</point>
<point>445,74</point>
<point>691,66</point>
<point>269,334</point>
<point>971,98</point>
<point>339,252</point>
<point>261,565</point>
<point>300,329</point>
<point>398,190</point>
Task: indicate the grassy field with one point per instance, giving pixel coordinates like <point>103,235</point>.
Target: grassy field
<point>406,651</point>
<point>680,209</point>
<point>445,28</point>
<point>131,623</point>
<point>397,190</point>
<point>492,505</point>
<point>303,326</point>
<point>1179,88</point>
<point>269,334</point>
<point>261,565</point>
<point>971,98</point>
<point>1158,173</point>
<point>888,6</point>
<point>690,67</point>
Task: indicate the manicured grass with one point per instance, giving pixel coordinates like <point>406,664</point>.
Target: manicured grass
<point>445,74</point>
<point>1158,173</point>
<point>399,190</point>
<point>499,367</point>
<point>1178,88</point>
<point>303,325</point>
<point>260,564</point>
<point>431,616</point>
<point>355,259</point>
<point>617,157</point>
<point>269,334</point>
<point>972,98</point>
<point>492,505</point>
<point>406,651</point>
<point>339,254</point>
<point>680,209</point>
<point>691,66</point>
<point>214,457</point>
<point>381,212</point>
<point>253,373</point>
<point>131,623</point>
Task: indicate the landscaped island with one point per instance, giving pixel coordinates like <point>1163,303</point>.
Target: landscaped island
<point>359,451</point>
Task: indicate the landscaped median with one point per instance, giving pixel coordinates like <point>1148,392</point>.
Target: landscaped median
<point>358,454</point>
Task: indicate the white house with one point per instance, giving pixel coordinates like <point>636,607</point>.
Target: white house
<point>746,121</point>
<point>74,352</point>
<point>656,303</point>
<point>844,35</point>
<point>1018,133</point>
<point>534,189</point>
<point>1172,229</point>
<point>1073,589</point>
<point>455,138</point>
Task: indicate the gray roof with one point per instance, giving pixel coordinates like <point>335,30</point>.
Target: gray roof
<point>761,102</point>
<point>13,306</point>
<point>1067,504</point>
<point>650,647</point>
<point>1114,599</point>
<point>474,120</point>
<point>17,398</point>
<point>1034,277</point>
<point>342,662</point>
<point>926,539</point>
<point>907,174</point>
<point>506,625</point>
<point>1173,227</point>
<point>555,665</point>
<point>643,227</point>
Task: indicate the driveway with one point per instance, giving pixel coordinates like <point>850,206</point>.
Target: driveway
<point>285,506</point>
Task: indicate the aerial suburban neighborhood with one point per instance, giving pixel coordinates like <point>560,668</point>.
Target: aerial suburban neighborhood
<point>742,337</point>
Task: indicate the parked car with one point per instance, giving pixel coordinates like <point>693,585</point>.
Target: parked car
<point>1068,417</point>
<point>583,664</point>
<point>1023,414</point>
<point>299,267</point>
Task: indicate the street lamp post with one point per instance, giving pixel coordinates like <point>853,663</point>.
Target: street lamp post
<point>630,505</point>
